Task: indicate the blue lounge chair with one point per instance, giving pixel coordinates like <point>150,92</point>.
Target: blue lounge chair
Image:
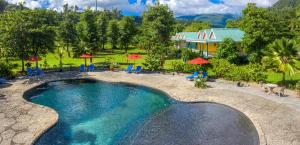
<point>129,69</point>
<point>30,72</point>
<point>91,67</point>
<point>138,69</point>
<point>195,75</point>
<point>82,68</point>
<point>39,72</point>
<point>2,81</point>
<point>204,75</point>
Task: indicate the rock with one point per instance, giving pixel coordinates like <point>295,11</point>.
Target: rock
<point>6,122</point>
<point>8,134</point>
<point>23,118</point>
<point>20,126</point>
<point>22,137</point>
<point>2,115</point>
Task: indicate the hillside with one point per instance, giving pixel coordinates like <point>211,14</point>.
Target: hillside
<point>216,20</point>
<point>286,3</point>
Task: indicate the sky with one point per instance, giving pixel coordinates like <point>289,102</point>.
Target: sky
<point>136,7</point>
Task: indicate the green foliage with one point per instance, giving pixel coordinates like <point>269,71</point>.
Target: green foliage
<point>282,57</point>
<point>87,30</point>
<point>127,31</point>
<point>113,33</point>
<point>259,30</point>
<point>224,69</point>
<point>103,20</point>
<point>286,3</point>
<point>153,62</point>
<point>188,54</point>
<point>233,23</point>
<point>201,83</point>
<point>197,26</point>
<point>228,50</point>
<point>5,70</point>
<point>67,28</point>
<point>179,66</point>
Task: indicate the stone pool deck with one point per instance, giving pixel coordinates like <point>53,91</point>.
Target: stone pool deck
<point>277,119</point>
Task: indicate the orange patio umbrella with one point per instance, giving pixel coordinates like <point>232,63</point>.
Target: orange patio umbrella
<point>35,59</point>
<point>199,61</point>
<point>85,56</point>
<point>134,57</point>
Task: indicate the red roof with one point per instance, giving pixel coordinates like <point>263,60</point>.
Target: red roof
<point>199,60</point>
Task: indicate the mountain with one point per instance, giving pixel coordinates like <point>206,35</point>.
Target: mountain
<point>216,20</point>
<point>286,3</point>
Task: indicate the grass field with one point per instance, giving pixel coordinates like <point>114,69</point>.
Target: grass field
<point>120,57</point>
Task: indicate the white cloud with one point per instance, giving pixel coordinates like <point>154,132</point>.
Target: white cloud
<point>191,7</point>
<point>108,4</point>
<point>180,7</point>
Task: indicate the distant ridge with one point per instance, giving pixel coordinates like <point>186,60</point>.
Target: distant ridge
<point>286,3</point>
<point>216,20</point>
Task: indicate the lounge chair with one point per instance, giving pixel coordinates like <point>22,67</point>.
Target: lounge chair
<point>91,67</point>
<point>138,69</point>
<point>204,75</point>
<point>39,72</point>
<point>30,72</point>
<point>2,81</point>
<point>82,68</point>
<point>192,77</point>
<point>129,69</point>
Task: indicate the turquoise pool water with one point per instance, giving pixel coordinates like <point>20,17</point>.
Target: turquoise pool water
<point>101,113</point>
<point>94,112</point>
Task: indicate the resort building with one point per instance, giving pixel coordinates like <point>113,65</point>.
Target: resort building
<point>207,40</point>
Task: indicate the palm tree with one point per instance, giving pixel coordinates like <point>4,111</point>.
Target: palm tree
<point>282,57</point>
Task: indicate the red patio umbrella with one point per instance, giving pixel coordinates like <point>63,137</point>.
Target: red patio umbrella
<point>199,61</point>
<point>34,59</point>
<point>85,56</point>
<point>134,57</point>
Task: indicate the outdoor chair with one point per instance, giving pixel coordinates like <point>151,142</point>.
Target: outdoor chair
<point>2,81</point>
<point>192,77</point>
<point>82,68</point>
<point>30,72</point>
<point>138,69</point>
<point>39,72</point>
<point>129,69</point>
<point>204,75</point>
<point>91,67</point>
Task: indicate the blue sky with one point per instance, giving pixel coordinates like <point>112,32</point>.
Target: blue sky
<point>136,7</point>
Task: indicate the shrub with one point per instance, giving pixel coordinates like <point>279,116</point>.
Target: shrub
<point>6,70</point>
<point>180,66</point>
<point>251,72</point>
<point>228,50</point>
<point>153,62</point>
<point>201,83</point>
<point>298,88</point>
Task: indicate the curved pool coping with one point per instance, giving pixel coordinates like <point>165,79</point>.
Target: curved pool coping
<point>261,135</point>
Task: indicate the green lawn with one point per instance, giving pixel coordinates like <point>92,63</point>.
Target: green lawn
<point>120,57</point>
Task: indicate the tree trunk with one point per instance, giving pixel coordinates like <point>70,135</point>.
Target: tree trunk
<point>69,54</point>
<point>283,78</point>
<point>103,45</point>
<point>23,68</point>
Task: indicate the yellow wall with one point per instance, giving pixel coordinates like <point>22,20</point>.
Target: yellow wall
<point>212,47</point>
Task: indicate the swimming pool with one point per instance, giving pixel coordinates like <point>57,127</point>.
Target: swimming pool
<point>102,113</point>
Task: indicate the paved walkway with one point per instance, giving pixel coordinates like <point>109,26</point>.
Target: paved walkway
<point>277,119</point>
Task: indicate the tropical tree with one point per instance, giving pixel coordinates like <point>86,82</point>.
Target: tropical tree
<point>103,20</point>
<point>41,31</point>
<point>259,31</point>
<point>14,30</point>
<point>228,50</point>
<point>127,31</point>
<point>156,30</point>
<point>87,30</point>
<point>282,57</point>
<point>67,28</point>
<point>113,33</point>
